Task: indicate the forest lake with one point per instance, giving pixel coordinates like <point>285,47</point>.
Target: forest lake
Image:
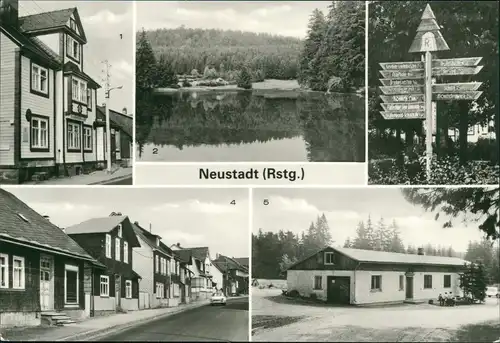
<point>275,121</point>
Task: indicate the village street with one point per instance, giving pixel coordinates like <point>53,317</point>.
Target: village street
<point>275,318</point>
<point>206,323</point>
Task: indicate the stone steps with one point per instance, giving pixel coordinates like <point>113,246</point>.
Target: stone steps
<point>56,319</point>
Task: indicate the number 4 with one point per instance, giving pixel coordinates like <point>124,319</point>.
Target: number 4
<point>233,202</point>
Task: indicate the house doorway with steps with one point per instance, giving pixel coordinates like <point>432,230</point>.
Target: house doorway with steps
<point>46,282</point>
<point>118,292</point>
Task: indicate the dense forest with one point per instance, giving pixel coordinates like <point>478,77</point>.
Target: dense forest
<point>330,58</point>
<point>273,252</point>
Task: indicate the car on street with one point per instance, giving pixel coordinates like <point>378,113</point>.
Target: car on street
<point>492,292</point>
<point>218,298</point>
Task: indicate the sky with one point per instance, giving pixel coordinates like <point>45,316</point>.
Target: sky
<point>286,18</point>
<point>192,217</point>
<point>294,209</point>
<point>103,22</point>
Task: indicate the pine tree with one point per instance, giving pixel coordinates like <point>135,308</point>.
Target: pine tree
<point>370,234</point>
<point>244,79</point>
<point>473,281</point>
<point>396,244</point>
<point>361,241</point>
<point>165,75</point>
<point>347,243</point>
<point>145,63</point>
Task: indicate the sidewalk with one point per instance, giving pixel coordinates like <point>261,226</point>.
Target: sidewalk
<point>94,328</point>
<point>95,178</point>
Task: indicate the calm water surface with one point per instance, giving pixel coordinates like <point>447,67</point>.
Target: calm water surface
<point>250,126</point>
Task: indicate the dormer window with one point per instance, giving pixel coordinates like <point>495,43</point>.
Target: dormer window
<point>329,258</point>
<point>39,79</point>
<point>72,48</point>
<point>72,24</point>
<point>120,230</point>
<point>157,241</point>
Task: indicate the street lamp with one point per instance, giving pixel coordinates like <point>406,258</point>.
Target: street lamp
<point>108,128</point>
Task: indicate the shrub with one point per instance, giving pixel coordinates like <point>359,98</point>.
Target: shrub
<point>244,79</point>
<point>313,296</point>
<point>186,83</point>
<point>294,293</point>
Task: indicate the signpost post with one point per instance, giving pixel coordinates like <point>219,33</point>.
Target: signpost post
<point>408,87</point>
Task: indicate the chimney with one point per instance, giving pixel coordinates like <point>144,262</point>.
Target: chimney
<point>63,230</point>
<point>150,227</point>
<point>420,251</point>
<point>178,245</point>
<point>47,217</point>
<point>124,111</point>
<point>9,13</point>
<point>136,223</point>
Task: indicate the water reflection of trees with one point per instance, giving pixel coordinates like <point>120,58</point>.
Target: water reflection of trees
<point>332,125</point>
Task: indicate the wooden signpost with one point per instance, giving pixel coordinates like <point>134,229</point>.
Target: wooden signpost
<point>409,89</point>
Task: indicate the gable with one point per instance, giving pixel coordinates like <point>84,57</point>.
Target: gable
<point>325,259</point>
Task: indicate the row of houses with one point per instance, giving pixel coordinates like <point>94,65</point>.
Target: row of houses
<point>50,120</point>
<point>100,266</point>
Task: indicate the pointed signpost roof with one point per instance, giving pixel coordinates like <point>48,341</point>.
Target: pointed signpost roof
<point>428,37</point>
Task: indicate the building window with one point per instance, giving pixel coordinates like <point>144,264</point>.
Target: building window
<point>128,289</point>
<point>447,281</point>
<point>329,258</point>
<point>427,281</point>
<point>376,283</point>
<point>104,286</point>
<point>318,284</point>
<point>87,138</point>
<point>401,282</point>
<point>71,285</point>
<point>89,99</point>
<point>72,24</point>
<point>39,133</point>
<point>120,232</point>
<point>108,246</point>
<point>157,264</point>
<point>73,136</point>
<point>18,272</point>
<point>117,249</point>
<point>39,79</point>
<point>4,271</point>
<point>125,252</point>
<point>157,241</point>
<point>160,290</point>
<point>72,48</point>
<point>79,91</point>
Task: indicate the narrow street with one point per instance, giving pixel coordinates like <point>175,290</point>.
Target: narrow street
<point>202,324</point>
<point>127,181</point>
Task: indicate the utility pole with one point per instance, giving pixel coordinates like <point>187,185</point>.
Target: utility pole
<point>107,93</point>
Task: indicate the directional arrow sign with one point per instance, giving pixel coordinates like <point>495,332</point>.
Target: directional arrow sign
<point>409,106</point>
<point>455,87</point>
<point>403,74</point>
<point>402,65</point>
<point>403,115</point>
<point>403,98</point>
<point>439,71</point>
<point>457,62</point>
<point>402,82</point>
<point>390,90</point>
<point>458,96</point>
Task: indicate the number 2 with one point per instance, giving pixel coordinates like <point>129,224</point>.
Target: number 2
<point>155,151</point>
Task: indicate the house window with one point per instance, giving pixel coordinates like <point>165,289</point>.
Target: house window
<point>89,98</point>
<point>104,286</point>
<point>427,281</point>
<point>108,246</point>
<point>39,79</point>
<point>72,48</point>
<point>157,241</point>
<point>71,285</point>
<point>160,290</point>
<point>87,138</point>
<point>79,91</point>
<point>125,252</point>
<point>120,230</point>
<point>39,133</point>
<point>73,136</point>
<point>157,264</point>
<point>117,249</point>
<point>447,281</point>
<point>401,282</point>
<point>376,283</point>
<point>4,271</point>
<point>318,284</point>
<point>18,272</point>
<point>329,258</point>
<point>72,24</point>
<point>128,289</point>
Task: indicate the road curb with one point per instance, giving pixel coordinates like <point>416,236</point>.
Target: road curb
<point>118,178</point>
<point>96,334</point>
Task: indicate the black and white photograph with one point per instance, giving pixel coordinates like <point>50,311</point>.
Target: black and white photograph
<point>433,93</point>
<point>124,264</point>
<point>250,81</point>
<point>375,265</point>
<point>66,92</point>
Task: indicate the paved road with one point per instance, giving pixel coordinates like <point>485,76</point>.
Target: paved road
<point>127,181</point>
<point>202,324</point>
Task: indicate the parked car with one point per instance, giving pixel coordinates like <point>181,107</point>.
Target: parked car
<point>492,292</point>
<point>218,298</point>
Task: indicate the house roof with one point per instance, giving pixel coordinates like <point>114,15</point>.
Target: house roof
<point>184,255</point>
<point>384,257</point>
<point>230,263</point>
<point>20,223</point>
<point>125,122</point>
<point>46,20</point>
<point>150,239</point>
<point>199,253</point>
<point>71,68</point>
<point>244,261</point>
<point>96,225</point>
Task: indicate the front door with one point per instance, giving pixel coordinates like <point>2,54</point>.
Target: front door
<point>338,289</point>
<point>46,278</point>
<point>409,287</point>
<point>113,148</point>
<point>118,291</point>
